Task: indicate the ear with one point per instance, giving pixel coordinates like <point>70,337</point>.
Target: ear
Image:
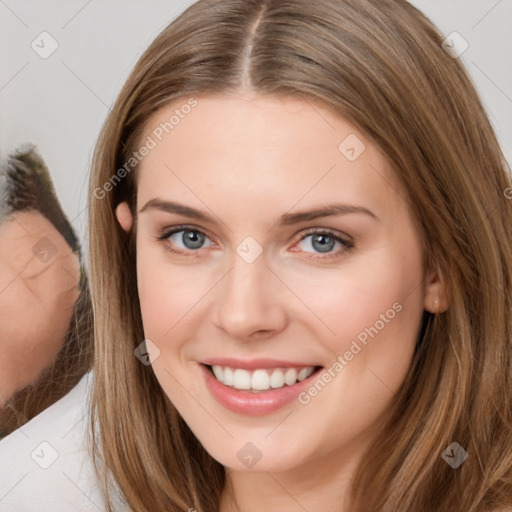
<point>124,216</point>
<point>436,293</point>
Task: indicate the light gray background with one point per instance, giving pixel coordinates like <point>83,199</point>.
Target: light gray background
<point>60,103</point>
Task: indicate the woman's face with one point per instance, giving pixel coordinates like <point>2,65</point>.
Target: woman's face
<point>274,241</point>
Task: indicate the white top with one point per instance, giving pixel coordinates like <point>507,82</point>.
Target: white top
<point>45,465</point>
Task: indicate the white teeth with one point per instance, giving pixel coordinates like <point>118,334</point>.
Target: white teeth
<point>277,379</point>
<point>290,377</point>
<point>228,376</point>
<point>218,372</point>
<point>242,379</point>
<point>304,373</point>
<point>261,379</point>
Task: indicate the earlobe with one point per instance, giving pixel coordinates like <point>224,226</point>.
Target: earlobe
<point>124,216</point>
<point>436,296</point>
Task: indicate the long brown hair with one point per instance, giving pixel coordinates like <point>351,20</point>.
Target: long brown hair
<point>379,64</point>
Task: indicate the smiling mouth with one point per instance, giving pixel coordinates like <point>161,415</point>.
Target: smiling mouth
<point>263,379</point>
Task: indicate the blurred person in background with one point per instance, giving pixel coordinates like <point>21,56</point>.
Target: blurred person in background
<point>45,310</point>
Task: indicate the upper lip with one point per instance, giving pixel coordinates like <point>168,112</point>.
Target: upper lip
<point>253,364</point>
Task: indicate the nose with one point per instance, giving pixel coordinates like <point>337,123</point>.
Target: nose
<point>250,301</point>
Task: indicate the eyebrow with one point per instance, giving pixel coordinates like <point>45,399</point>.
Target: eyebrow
<point>286,219</point>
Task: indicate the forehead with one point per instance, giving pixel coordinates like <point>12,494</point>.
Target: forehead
<point>247,147</point>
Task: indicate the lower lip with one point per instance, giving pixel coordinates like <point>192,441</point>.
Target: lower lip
<point>253,404</point>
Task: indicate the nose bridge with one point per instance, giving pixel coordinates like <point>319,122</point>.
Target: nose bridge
<point>246,282</point>
<point>247,298</point>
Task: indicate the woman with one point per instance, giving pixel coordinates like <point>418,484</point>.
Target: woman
<point>300,255</point>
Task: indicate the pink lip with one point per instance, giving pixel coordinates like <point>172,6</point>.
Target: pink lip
<point>253,404</point>
<point>254,364</point>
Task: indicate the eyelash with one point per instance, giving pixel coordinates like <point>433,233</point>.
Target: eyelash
<point>348,245</point>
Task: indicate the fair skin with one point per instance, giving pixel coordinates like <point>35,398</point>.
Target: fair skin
<point>246,160</point>
<point>39,276</point>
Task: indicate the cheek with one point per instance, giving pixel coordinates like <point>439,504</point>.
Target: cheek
<point>371,306</point>
<point>170,295</point>
<point>172,299</point>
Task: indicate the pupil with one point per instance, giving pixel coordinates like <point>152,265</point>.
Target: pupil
<point>324,246</point>
<point>192,239</point>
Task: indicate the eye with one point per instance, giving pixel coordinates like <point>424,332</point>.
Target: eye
<point>183,240</point>
<point>189,238</point>
<point>322,242</point>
